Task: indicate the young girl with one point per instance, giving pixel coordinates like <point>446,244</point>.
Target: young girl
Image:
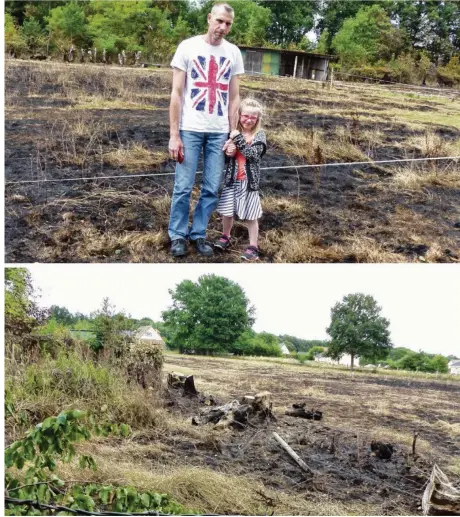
<point>240,196</point>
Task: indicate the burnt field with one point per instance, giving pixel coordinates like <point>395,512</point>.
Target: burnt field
<point>357,409</point>
<point>70,121</point>
<point>243,470</point>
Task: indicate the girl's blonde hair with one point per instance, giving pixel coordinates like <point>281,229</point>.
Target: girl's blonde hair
<point>253,105</point>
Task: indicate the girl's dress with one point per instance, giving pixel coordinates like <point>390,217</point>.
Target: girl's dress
<point>240,195</point>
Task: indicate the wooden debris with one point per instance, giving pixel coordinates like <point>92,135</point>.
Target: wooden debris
<point>301,413</point>
<point>293,454</point>
<point>414,442</point>
<point>238,414</point>
<point>441,496</point>
<point>216,414</point>
<point>262,401</point>
<point>187,383</point>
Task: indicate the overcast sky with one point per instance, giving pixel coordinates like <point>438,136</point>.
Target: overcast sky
<point>421,301</point>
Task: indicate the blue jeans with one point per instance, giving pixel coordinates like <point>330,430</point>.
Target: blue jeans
<point>213,166</point>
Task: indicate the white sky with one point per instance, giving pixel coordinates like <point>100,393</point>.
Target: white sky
<point>422,301</point>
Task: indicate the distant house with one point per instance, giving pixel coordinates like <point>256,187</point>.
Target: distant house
<point>147,334</point>
<point>284,349</point>
<point>454,367</point>
<point>345,360</point>
<point>292,63</point>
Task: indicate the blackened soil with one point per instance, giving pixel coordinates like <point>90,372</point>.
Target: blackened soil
<point>345,209</point>
<point>337,448</point>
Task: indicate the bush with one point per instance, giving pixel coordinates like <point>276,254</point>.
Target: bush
<point>449,75</point>
<point>42,389</point>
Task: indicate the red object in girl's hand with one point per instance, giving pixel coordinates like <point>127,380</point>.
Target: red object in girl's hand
<point>180,156</point>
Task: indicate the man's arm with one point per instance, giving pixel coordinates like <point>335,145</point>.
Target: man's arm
<point>233,105</point>
<point>175,143</point>
<point>233,102</point>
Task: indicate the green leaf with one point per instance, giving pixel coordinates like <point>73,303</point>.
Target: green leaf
<point>124,429</point>
<point>48,422</point>
<point>145,500</point>
<point>20,462</point>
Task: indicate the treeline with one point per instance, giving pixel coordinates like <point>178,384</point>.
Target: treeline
<point>414,40</point>
<point>405,359</point>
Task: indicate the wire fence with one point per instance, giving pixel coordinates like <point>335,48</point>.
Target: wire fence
<point>77,511</point>
<point>280,167</point>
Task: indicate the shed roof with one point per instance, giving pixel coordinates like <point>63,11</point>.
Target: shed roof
<point>284,51</point>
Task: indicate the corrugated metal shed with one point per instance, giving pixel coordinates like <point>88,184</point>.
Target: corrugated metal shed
<point>292,63</point>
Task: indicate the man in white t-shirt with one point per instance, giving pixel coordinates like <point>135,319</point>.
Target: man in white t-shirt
<point>204,105</point>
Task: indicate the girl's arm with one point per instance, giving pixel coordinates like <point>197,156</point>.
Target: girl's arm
<point>253,151</point>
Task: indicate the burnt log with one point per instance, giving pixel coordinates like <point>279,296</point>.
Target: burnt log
<point>301,413</point>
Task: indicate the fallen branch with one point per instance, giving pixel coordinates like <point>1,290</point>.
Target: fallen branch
<point>440,495</point>
<point>293,454</point>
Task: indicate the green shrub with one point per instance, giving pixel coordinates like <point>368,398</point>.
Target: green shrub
<point>449,75</point>
<point>43,388</point>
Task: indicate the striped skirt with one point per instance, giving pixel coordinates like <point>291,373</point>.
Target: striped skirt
<point>238,201</point>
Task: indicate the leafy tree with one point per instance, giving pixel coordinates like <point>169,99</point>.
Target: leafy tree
<point>251,22</point>
<point>291,20</point>
<point>14,40</point>
<point>22,314</point>
<point>112,331</point>
<point>431,25</point>
<point>440,364</point>
<point>133,26</point>
<point>62,315</point>
<point>208,315</point>
<point>357,329</point>
<point>367,38</point>
<point>67,25</point>
<point>33,34</point>
<point>244,344</point>
<point>314,351</point>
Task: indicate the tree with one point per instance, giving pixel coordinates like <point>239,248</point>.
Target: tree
<point>62,315</point>
<point>314,351</point>
<point>67,25</point>
<point>14,40</point>
<point>207,316</point>
<point>251,22</point>
<point>22,314</point>
<point>33,34</point>
<point>367,38</point>
<point>291,20</point>
<point>113,331</point>
<point>357,329</point>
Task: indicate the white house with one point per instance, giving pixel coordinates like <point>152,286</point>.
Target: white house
<point>454,367</point>
<point>147,334</point>
<point>284,349</point>
<point>345,360</point>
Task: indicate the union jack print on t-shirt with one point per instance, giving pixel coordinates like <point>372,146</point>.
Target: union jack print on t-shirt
<point>210,84</point>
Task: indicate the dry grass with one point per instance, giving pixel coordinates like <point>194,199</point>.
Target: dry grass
<point>405,438</point>
<point>200,488</point>
<point>452,430</point>
<point>72,120</point>
<point>432,144</point>
<point>135,156</point>
<point>417,177</point>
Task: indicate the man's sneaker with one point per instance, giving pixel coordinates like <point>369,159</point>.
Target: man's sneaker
<point>223,242</point>
<point>203,248</point>
<point>178,247</point>
<point>251,253</point>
